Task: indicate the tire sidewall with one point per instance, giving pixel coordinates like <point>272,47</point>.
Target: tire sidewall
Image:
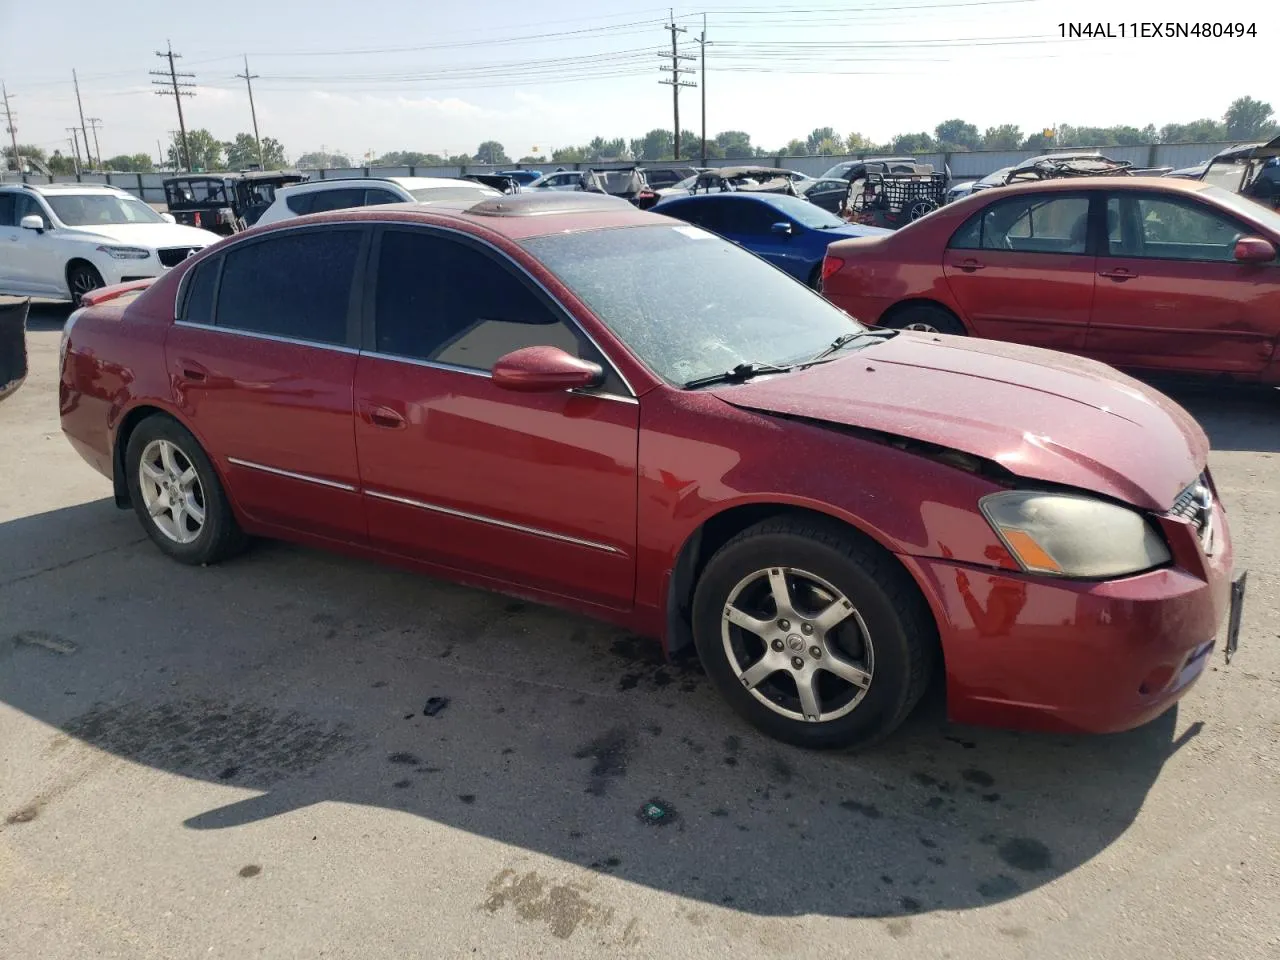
<point>82,267</point>
<point>882,705</point>
<point>937,317</point>
<point>203,547</point>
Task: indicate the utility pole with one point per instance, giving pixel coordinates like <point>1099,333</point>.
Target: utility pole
<point>178,91</point>
<point>83,129</point>
<point>248,79</point>
<point>160,154</point>
<point>675,82</point>
<point>94,124</point>
<point>74,140</point>
<point>13,132</point>
<point>702,79</point>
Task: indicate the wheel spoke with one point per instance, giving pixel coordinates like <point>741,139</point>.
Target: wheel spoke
<point>845,670</point>
<point>152,472</point>
<point>158,506</point>
<point>188,475</point>
<point>807,686</point>
<point>781,592</point>
<point>194,510</point>
<point>833,615</point>
<point>166,457</point>
<point>747,622</point>
<point>758,671</point>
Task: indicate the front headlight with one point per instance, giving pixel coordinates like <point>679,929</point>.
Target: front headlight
<point>1073,536</point>
<point>125,253</point>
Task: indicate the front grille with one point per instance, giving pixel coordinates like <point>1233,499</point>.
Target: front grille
<point>1195,505</point>
<point>172,256</point>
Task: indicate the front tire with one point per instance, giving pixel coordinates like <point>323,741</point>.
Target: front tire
<point>177,495</point>
<point>81,278</point>
<point>924,318</point>
<point>813,635</point>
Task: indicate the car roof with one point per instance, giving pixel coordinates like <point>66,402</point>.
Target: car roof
<point>407,183</point>
<point>1068,184</point>
<point>55,188</point>
<point>517,217</point>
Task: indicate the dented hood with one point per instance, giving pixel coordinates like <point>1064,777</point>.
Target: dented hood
<point>1042,415</point>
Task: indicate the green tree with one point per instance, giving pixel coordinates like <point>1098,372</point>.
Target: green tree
<point>857,143</point>
<point>655,145</point>
<point>601,149</point>
<point>1248,119</point>
<point>531,159</point>
<point>491,151</point>
<point>322,160</point>
<point>407,158</point>
<point>27,151</point>
<point>57,163</point>
<point>204,149</point>
<point>569,155</point>
<point>796,148</point>
<point>957,135</point>
<point>243,153</point>
<point>1204,130</point>
<point>735,143</point>
<point>130,163</point>
<point>816,136</point>
<point>1007,136</point>
<point>913,143</point>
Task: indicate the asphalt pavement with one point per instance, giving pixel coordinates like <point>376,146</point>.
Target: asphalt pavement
<point>297,754</point>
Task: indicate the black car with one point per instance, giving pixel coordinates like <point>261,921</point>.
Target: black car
<point>660,178</point>
<point>827,193</point>
<point>225,203</point>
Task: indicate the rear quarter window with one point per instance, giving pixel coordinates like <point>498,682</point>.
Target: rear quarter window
<point>197,300</point>
<point>301,203</point>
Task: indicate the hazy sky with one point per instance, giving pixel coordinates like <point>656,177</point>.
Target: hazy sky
<point>436,77</point>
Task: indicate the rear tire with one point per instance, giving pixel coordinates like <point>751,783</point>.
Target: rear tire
<point>177,495</point>
<point>852,628</point>
<point>81,278</point>
<point>924,318</point>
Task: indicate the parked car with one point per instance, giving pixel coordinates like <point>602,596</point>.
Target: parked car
<point>60,240</point>
<point>857,169</point>
<point>562,180</point>
<point>789,232</point>
<point>958,191</point>
<point>718,457</point>
<point>522,177</point>
<point>13,344</point>
<point>495,181</point>
<point>319,196</point>
<point>1249,169</point>
<point>225,203</point>
<point>829,194</point>
<point>1147,273</point>
<point>660,178</point>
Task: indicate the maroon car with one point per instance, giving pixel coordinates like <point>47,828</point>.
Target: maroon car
<point>503,396</point>
<point>1153,274</point>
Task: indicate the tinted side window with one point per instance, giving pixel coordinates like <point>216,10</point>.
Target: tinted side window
<point>445,301</point>
<point>300,203</point>
<point>7,218</point>
<point>197,305</point>
<point>374,197</point>
<point>1028,224</point>
<point>688,212</point>
<point>336,199</point>
<point>297,285</point>
<point>749,216</point>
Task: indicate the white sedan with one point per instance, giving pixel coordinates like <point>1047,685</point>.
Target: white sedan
<point>61,240</point>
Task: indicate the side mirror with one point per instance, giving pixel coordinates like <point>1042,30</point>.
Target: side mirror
<point>783,228</point>
<point>168,218</point>
<point>1248,249</point>
<point>543,369</point>
<point>33,221</point>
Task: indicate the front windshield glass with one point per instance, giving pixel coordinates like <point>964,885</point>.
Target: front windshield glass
<point>805,213</point>
<point>1226,174</point>
<point>88,209</point>
<point>685,184</point>
<point>1245,207</point>
<point>688,303</point>
<point>839,170</point>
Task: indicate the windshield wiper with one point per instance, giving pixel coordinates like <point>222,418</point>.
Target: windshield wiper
<point>842,341</point>
<point>739,374</point>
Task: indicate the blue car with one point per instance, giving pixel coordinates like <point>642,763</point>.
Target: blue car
<point>789,232</point>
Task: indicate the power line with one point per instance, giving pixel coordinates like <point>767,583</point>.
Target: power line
<point>179,90</point>
<point>248,79</point>
<point>676,70</point>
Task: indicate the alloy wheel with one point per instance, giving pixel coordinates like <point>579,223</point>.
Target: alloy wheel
<point>797,644</point>
<point>171,491</point>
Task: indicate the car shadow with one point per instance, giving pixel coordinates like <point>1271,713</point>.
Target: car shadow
<point>292,678</point>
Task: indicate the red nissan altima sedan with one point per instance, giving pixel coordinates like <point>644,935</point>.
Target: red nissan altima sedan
<point>1146,273</point>
<point>504,396</point>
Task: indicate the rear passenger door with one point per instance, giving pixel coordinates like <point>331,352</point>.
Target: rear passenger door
<point>262,360</point>
<point>1022,269</point>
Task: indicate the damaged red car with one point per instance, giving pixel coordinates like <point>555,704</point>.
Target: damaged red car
<point>502,396</point>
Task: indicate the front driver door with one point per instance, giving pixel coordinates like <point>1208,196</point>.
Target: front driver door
<point>749,221</point>
<point>1171,295</point>
<point>1022,270</point>
<point>528,489</point>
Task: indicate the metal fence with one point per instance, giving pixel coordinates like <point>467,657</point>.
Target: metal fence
<point>963,166</point>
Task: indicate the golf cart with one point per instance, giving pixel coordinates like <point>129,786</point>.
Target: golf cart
<point>1249,169</point>
<point>225,203</point>
<point>894,195</point>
